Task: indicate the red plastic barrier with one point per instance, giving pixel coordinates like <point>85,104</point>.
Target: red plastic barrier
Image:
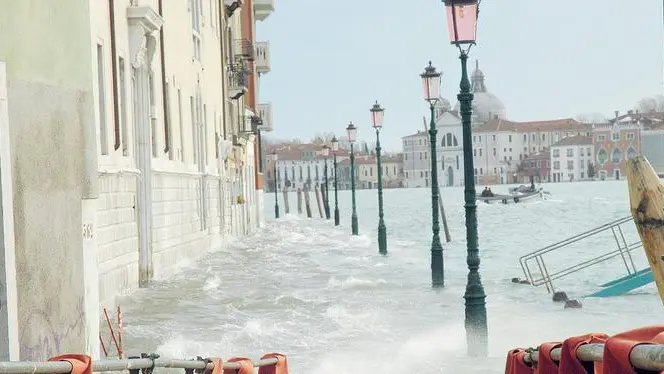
<point>618,347</point>
<point>246,366</point>
<point>516,363</point>
<point>81,364</point>
<point>280,368</point>
<point>218,366</point>
<point>545,364</point>
<point>570,363</point>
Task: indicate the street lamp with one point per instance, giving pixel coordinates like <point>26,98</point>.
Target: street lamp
<point>326,152</point>
<point>335,149</point>
<point>275,157</point>
<point>352,134</point>
<point>462,23</point>
<point>377,120</point>
<point>431,86</point>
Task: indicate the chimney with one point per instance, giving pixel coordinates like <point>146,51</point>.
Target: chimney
<point>616,113</point>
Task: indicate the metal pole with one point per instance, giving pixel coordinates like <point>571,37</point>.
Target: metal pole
<point>476,325</point>
<point>327,190</point>
<point>336,193</point>
<point>382,234</point>
<point>353,219</point>
<point>276,185</point>
<point>437,267</point>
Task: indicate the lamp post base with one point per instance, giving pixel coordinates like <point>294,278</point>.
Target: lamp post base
<point>382,238</point>
<point>353,224</point>
<point>336,216</point>
<point>276,211</point>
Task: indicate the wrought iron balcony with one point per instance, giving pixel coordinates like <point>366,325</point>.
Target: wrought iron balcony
<point>231,6</point>
<point>264,111</point>
<point>238,81</point>
<point>262,57</point>
<point>262,9</point>
<point>244,50</point>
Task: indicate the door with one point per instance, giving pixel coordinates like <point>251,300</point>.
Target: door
<point>450,176</point>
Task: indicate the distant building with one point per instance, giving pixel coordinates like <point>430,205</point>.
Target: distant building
<point>536,165</point>
<point>571,158</point>
<point>416,163</point>
<point>615,143</point>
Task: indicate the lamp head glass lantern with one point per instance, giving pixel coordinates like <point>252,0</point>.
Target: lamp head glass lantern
<point>377,113</point>
<point>335,144</point>
<point>431,83</point>
<point>352,133</point>
<point>325,151</point>
<point>462,20</point>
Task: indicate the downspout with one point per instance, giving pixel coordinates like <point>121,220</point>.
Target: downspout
<point>114,68</point>
<point>164,89</point>
<point>222,36</point>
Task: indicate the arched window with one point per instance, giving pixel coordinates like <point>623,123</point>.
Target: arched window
<point>450,140</point>
<point>601,156</point>
<point>616,156</point>
<point>631,153</point>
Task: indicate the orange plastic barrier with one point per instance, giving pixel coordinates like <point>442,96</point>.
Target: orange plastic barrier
<point>218,366</point>
<point>546,364</point>
<point>516,363</point>
<point>81,364</point>
<point>570,363</point>
<point>280,368</point>
<point>618,347</point>
<point>246,366</point>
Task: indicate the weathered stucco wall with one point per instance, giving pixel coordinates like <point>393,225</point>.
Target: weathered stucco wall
<point>47,48</point>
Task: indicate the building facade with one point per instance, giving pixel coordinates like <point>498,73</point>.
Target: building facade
<point>615,143</point>
<point>536,165</point>
<point>147,123</point>
<point>572,159</point>
<point>416,163</point>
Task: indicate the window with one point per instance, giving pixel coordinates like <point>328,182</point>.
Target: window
<point>124,136</point>
<point>570,165</point>
<point>168,127</point>
<point>494,151</point>
<point>103,135</point>
<point>556,165</point>
<point>570,152</point>
<point>204,137</point>
<point>630,135</point>
<point>153,119</point>
<point>556,152</point>
<point>509,137</point>
<point>601,156</point>
<point>631,153</point>
<point>192,106</point>
<point>588,151</point>
<point>616,156</point>
<point>180,125</point>
<point>196,13</point>
<point>615,136</point>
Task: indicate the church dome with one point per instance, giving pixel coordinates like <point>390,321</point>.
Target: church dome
<point>486,105</point>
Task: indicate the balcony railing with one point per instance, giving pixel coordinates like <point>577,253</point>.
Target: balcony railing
<point>263,8</point>
<point>262,50</point>
<point>238,81</point>
<point>265,113</point>
<point>244,50</point>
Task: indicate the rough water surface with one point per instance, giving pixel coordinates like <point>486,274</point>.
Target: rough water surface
<point>334,305</point>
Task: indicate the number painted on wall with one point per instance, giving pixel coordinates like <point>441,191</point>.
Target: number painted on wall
<point>88,231</point>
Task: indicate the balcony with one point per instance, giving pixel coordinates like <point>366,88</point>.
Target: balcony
<point>238,82</point>
<point>262,57</point>
<point>244,50</point>
<point>262,9</point>
<point>265,113</point>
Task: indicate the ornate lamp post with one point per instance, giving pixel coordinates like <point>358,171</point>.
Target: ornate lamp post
<point>326,203</point>
<point>335,149</point>
<point>462,23</point>
<point>352,134</point>
<point>431,85</point>
<point>275,157</point>
<point>377,120</point>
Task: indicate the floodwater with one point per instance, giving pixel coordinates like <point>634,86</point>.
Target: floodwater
<point>334,305</point>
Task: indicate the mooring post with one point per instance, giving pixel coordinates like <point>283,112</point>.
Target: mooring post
<point>448,238</point>
<point>307,202</point>
<point>319,201</point>
<point>646,200</point>
<point>299,201</point>
<point>286,202</point>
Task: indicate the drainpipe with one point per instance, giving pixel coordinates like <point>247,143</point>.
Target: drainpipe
<point>164,89</point>
<point>114,67</point>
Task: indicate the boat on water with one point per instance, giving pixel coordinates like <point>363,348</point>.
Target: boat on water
<point>516,195</point>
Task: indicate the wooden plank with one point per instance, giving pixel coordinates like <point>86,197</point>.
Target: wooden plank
<point>646,199</point>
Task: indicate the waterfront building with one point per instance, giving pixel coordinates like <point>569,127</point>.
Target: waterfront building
<point>141,132</point>
<point>572,159</point>
<point>536,165</point>
<point>616,142</point>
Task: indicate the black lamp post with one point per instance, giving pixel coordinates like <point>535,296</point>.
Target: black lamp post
<point>275,157</point>
<point>462,23</point>
<point>326,202</point>
<point>431,85</point>
<point>352,134</point>
<point>377,121</point>
<point>335,149</point>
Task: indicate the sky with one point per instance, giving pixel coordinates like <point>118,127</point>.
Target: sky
<point>330,60</point>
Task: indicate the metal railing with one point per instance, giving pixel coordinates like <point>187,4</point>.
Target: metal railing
<point>542,275</point>
<point>643,356</point>
<point>131,364</point>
